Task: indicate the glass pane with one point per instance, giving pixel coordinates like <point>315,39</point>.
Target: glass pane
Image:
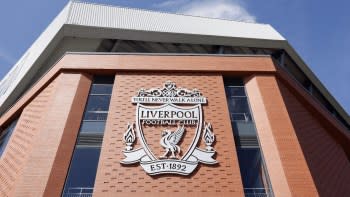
<point>82,172</point>
<point>241,117</point>
<point>98,103</point>
<point>238,105</point>
<point>101,89</point>
<point>5,136</point>
<point>90,139</point>
<point>251,168</point>
<point>95,116</point>
<point>92,127</point>
<point>245,129</point>
<point>235,91</point>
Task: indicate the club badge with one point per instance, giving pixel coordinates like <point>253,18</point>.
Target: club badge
<point>169,127</point>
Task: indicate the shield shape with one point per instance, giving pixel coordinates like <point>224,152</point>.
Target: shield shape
<point>152,120</point>
<point>168,128</point>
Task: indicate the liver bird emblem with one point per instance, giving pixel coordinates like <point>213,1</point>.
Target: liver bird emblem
<point>170,140</point>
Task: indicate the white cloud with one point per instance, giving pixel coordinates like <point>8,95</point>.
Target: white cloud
<point>171,3</point>
<point>224,9</point>
<point>6,57</point>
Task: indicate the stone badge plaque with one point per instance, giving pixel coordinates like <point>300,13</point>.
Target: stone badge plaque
<point>173,118</point>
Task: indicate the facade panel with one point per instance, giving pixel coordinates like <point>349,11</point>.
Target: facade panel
<point>267,140</point>
<point>37,157</point>
<point>295,168</point>
<point>18,150</point>
<point>114,178</point>
<point>56,122</point>
<point>326,158</point>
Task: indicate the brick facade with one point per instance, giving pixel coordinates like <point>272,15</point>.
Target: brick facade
<point>36,172</point>
<point>21,143</point>
<point>30,155</point>
<point>301,145</point>
<point>114,179</point>
<point>277,122</point>
<point>327,160</point>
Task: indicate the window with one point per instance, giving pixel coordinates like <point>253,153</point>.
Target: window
<point>253,172</point>
<point>250,162</point>
<point>96,109</point>
<point>82,171</point>
<point>5,136</point>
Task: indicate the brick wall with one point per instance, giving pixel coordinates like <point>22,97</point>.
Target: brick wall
<point>327,161</point>
<point>64,152</point>
<point>278,122</point>
<point>114,179</point>
<point>16,154</point>
<point>302,155</point>
<point>37,170</point>
<point>267,141</point>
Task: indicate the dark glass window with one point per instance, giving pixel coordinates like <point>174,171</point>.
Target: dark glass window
<point>254,175</point>
<point>83,168</point>
<point>250,163</point>
<point>239,109</point>
<point>98,103</point>
<point>82,171</point>
<point>236,91</point>
<point>95,115</point>
<point>101,89</point>
<point>238,103</point>
<point>92,126</point>
<point>5,136</point>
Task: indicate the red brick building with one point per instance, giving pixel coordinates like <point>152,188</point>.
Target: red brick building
<point>264,125</point>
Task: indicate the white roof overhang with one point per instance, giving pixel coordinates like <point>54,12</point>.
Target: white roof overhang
<point>86,20</point>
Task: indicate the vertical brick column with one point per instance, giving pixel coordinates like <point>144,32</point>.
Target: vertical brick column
<point>22,140</point>
<point>285,162</point>
<point>115,179</point>
<point>65,149</point>
<point>50,156</point>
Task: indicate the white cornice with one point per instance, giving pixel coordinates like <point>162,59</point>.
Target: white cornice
<point>87,20</point>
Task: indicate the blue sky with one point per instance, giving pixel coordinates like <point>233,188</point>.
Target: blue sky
<point>318,30</point>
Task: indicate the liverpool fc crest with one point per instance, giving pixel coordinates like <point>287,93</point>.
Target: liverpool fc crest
<point>169,126</point>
